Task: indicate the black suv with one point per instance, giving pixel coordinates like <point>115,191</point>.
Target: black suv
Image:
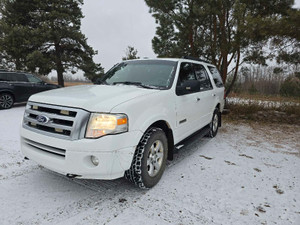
<point>18,87</point>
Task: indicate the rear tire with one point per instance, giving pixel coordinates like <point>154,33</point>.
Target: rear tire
<point>214,124</point>
<point>149,160</point>
<point>6,101</point>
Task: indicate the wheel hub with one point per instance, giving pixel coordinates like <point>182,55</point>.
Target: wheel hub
<point>215,123</point>
<point>155,158</point>
<point>6,101</point>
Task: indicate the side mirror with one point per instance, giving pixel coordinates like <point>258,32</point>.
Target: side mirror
<point>97,81</point>
<point>188,87</point>
<point>42,82</point>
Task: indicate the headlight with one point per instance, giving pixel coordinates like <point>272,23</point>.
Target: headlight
<point>103,124</point>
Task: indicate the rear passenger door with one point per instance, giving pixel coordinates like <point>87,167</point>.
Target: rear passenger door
<point>206,95</point>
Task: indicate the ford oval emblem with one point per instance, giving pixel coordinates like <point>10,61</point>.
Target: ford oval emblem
<point>42,119</point>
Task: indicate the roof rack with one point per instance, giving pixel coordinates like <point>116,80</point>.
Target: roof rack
<point>195,58</point>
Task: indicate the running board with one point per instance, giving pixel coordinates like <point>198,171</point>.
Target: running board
<point>199,134</point>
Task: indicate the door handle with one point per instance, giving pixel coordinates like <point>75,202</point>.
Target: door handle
<point>198,99</point>
<point>214,95</point>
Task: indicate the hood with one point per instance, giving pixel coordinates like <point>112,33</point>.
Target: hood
<point>53,85</point>
<point>94,98</point>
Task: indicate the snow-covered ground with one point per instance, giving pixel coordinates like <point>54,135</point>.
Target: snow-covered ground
<point>264,103</point>
<point>248,174</point>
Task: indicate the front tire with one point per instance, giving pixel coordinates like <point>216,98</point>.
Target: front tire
<point>149,160</point>
<point>6,101</point>
<point>214,124</point>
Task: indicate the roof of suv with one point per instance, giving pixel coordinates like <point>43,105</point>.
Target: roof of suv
<point>176,60</point>
<point>7,71</point>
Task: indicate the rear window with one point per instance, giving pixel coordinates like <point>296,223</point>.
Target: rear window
<point>216,76</point>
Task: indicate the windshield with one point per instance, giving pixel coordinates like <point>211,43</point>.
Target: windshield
<point>151,73</point>
<point>33,79</point>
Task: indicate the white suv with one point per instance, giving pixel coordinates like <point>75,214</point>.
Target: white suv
<point>128,124</point>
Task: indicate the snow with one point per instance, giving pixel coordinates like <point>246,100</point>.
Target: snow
<point>264,103</point>
<point>248,174</point>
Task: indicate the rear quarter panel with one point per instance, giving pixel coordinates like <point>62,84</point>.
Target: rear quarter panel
<point>218,91</point>
<point>6,87</point>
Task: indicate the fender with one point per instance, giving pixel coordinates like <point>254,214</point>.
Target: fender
<point>6,90</point>
<point>156,118</point>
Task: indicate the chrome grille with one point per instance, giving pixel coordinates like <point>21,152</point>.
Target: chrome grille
<point>46,148</point>
<point>57,121</point>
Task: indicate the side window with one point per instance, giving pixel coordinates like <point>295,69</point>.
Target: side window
<point>216,76</point>
<point>203,77</point>
<point>10,77</point>
<point>186,73</point>
<point>18,77</point>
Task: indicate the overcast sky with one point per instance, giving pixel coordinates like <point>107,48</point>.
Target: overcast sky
<point>112,25</point>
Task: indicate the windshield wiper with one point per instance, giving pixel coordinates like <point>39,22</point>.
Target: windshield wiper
<point>139,84</point>
<point>100,81</point>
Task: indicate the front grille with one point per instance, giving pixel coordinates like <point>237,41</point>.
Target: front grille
<point>46,148</point>
<point>58,121</point>
<point>49,129</point>
<point>53,111</point>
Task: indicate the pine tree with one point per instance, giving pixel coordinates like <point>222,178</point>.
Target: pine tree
<point>131,53</point>
<point>41,36</point>
<point>224,32</point>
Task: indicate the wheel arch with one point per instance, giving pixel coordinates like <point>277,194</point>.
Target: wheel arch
<point>8,92</point>
<point>165,126</point>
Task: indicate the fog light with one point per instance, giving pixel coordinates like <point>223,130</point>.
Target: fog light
<point>95,160</point>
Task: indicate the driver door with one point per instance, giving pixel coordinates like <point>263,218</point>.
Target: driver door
<point>187,105</point>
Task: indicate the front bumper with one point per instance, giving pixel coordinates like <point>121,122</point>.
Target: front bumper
<point>115,153</point>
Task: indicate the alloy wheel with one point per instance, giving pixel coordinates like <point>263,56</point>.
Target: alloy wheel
<point>215,123</point>
<point>155,158</point>
<point>6,101</point>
